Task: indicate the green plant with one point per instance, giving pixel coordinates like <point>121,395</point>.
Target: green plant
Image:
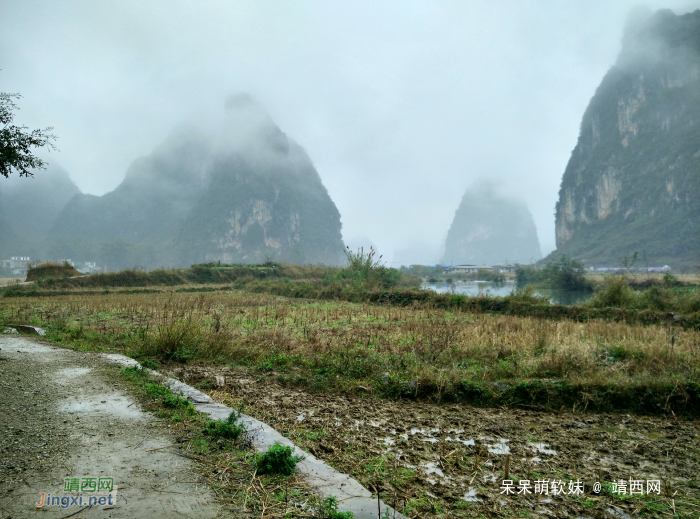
<point>150,364</point>
<point>329,509</point>
<point>365,271</point>
<point>279,459</point>
<point>230,429</point>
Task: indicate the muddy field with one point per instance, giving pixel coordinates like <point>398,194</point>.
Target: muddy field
<point>450,460</point>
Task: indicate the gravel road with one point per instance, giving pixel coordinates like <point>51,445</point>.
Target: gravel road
<point>66,414</point>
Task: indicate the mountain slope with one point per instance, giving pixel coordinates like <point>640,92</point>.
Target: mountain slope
<point>633,181</point>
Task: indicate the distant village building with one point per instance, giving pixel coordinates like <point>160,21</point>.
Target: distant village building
<point>89,267</point>
<point>20,262</point>
<point>504,268</point>
<point>18,265</point>
<point>665,268</point>
<point>464,269</point>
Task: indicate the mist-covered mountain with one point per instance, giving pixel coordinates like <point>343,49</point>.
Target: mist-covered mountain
<point>633,181</point>
<point>489,229</point>
<point>244,195</point>
<point>29,207</point>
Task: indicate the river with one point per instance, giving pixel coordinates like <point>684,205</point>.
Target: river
<point>487,288</point>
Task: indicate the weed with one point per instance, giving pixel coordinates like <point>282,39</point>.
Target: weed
<point>230,429</point>
<point>329,510</point>
<point>150,364</point>
<point>279,459</point>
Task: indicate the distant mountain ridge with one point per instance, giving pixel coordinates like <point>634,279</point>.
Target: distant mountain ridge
<point>246,194</point>
<point>632,183</point>
<point>489,229</point>
<point>29,207</point>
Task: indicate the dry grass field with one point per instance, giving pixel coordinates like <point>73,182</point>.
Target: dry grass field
<point>444,355</point>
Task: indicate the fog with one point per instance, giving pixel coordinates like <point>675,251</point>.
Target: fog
<point>401,106</point>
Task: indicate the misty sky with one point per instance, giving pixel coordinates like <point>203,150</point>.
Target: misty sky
<point>401,105</point>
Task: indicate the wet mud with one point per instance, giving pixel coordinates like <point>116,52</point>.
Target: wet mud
<point>431,460</point>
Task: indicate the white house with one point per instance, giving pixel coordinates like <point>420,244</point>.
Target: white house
<point>18,262</point>
<point>504,268</point>
<point>465,269</point>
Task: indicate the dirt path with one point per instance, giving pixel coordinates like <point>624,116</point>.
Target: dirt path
<point>451,458</point>
<point>63,415</point>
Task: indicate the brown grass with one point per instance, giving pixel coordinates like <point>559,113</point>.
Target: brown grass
<point>393,351</point>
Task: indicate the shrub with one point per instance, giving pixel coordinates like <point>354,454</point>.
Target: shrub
<point>47,271</point>
<point>230,429</point>
<point>279,459</point>
<point>615,293</point>
<point>563,274</point>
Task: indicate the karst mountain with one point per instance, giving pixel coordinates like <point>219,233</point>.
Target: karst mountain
<point>489,229</point>
<point>246,193</point>
<point>632,183</point>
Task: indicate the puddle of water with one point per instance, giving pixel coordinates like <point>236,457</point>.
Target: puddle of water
<point>26,329</point>
<point>463,442</point>
<point>500,447</point>
<point>66,375</point>
<point>542,448</point>
<point>104,404</point>
<point>387,441</point>
<point>414,431</point>
<point>430,440</point>
<point>301,417</point>
<point>471,496</point>
<point>404,436</point>
<point>22,346</point>
<point>432,468</point>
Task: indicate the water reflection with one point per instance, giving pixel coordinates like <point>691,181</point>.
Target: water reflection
<point>488,288</point>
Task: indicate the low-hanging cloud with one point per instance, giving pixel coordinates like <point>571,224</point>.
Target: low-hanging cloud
<point>401,106</point>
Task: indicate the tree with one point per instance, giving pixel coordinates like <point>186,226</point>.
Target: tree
<point>16,142</point>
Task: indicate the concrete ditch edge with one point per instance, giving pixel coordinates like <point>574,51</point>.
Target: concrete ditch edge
<point>326,481</point>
